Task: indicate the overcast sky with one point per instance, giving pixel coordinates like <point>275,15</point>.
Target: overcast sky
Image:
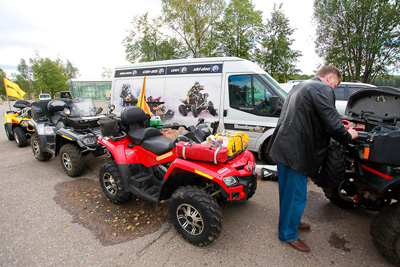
<point>89,33</point>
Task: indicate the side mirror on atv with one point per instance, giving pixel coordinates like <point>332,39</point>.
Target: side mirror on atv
<point>99,110</point>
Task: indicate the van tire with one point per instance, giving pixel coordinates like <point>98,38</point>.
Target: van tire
<point>182,110</point>
<point>265,155</point>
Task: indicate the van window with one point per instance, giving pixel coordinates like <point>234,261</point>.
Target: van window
<point>250,94</point>
<point>339,93</point>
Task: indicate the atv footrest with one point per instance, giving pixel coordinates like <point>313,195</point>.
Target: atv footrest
<point>152,191</point>
<point>141,180</point>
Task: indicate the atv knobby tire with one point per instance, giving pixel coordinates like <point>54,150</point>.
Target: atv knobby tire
<point>20,137</point>
<point>196,215</point>
<point>71,160</point>
<point>38,150</point>
<point>333,167</point>
<point>111,183</point>
<point>10,137</point>
<point>182,110</point>
<point>385,232</point>
<point>339,196</point>
<point>194,111</point>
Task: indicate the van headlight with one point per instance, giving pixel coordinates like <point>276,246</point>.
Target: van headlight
<point>230,181</point>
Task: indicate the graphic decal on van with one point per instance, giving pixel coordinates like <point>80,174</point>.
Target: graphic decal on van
<point>246,127</point>
<point>188,97</point>
<point>174,70</point>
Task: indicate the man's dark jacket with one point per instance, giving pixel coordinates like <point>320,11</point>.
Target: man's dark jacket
<point>307,122</point>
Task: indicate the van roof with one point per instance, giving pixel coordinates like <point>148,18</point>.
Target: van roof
<point>182,61</point>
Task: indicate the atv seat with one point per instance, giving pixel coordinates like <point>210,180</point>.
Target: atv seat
<point>55,107</point>
<point>39,110</point>
<point>22,104</point>
<point>148,137</point>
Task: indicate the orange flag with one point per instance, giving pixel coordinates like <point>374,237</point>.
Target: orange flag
<point>142,99</point>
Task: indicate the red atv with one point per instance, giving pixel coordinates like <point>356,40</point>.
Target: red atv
<point>366,172</point>
<point>143,163</point>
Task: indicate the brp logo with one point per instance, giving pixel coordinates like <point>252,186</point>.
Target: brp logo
<point>134,73</point>
<point>161,71</point>
<point>215,68</point>
<point>184,70</point>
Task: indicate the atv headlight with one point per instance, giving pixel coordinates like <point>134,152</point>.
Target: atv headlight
<point>230,181</point>
<point>89,140</point>
<point>24,123</point>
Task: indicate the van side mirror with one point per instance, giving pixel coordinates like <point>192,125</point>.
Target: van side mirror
<point>274,101</point>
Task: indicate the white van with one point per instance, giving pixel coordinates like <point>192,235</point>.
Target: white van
<point>234,91</point>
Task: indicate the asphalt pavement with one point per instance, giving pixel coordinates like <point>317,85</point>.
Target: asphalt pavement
<point>36,231</point>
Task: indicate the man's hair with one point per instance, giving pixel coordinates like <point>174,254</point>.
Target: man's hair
<point>329,69</point>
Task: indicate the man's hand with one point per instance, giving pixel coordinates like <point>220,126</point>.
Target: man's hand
<point>354,134</point>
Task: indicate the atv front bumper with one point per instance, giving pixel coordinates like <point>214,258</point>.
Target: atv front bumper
<point>247,185</point>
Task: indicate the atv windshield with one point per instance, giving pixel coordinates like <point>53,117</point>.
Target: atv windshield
<point>83,108</point>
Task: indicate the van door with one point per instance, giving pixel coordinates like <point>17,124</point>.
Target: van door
<point>252,104</point>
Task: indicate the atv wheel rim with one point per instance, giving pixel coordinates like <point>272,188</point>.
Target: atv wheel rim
<point>36,148</point>
<point>190,219</point>
<point>16,138</point>
<point>66,160</point>
<point>109,184</point>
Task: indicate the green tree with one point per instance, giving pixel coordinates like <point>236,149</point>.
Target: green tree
<point>49,76</point>
<point>275,54</point>
<point>24,78</point>
<point>240,29</point>
<point>360,37</point>
<point>2,88</point>
<point>69,70</point>
<point>145,42</point>
<point>194,22</point>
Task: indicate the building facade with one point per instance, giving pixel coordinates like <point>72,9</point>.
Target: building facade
<point>96,90</point>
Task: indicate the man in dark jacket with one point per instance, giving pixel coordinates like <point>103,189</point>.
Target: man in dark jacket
<point>299,143</point>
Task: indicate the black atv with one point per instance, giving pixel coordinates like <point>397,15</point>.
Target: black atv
<point>196,102</point>
<point>366,173</point>
<point>68,128</point>
<point>16,126</point>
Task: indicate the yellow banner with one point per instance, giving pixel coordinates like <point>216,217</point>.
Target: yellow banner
<point>12,89</point>
<point>142,99</point>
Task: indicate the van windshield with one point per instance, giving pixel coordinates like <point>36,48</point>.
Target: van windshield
<point>275,84</point>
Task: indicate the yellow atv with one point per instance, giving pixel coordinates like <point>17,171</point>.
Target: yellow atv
<point>16,125</point>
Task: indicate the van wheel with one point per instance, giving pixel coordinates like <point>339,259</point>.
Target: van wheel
<point>111,183</point>
<point>385,232</point>
<point>196,215</point>
<point>37,149</point>
<point>10,137</point>
<point>71,160</point>
<point>20,137</point>
<point>266,157</point>
<point>194,111</point>
<point>182,110</point>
